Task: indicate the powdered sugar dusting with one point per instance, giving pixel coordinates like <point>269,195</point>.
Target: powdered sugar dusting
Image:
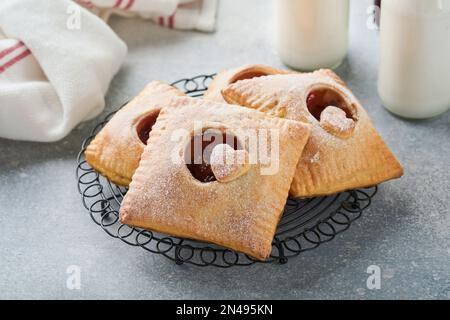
<point>228,164</point>
<point>315,158</point>
<point>334,120</point>
<point>241,214</point>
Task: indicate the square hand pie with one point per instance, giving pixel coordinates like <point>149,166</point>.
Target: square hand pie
<point>116,150</point>
<point>344,150</point>
<point>236,206</point>
<point>229,76</point>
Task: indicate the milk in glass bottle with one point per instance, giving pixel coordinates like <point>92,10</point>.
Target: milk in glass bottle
<point>311,34</point>
<point>414,71</point>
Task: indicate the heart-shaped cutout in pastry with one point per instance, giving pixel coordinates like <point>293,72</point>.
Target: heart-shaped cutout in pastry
<point>334,120</point>
<point>228,164</point>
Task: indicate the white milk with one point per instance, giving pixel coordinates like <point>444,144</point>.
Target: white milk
<point>311,34</point>
<point>414,74</point>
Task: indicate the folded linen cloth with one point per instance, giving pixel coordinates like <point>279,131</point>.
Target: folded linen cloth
<point>178,14</point>
<point>52,77</point>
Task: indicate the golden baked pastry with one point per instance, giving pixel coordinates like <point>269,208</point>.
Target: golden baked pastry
<point>229,76</point>
<point>175,192</point>
<point>344,150</point>
<point>116,150</point>
<point>228,164</point>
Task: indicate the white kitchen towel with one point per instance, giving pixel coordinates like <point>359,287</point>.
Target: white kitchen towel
<point>54,73</point>
<point>178,14</point>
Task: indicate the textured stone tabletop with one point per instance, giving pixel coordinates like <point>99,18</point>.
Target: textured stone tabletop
<point>406,232</point>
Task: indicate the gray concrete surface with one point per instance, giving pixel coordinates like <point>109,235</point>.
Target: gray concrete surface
<point>44,228</point>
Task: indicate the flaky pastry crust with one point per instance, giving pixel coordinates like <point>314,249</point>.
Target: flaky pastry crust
<point>228,76</point>
<point>116,150</point>
<point>330,163</point>
<point>241,214</point>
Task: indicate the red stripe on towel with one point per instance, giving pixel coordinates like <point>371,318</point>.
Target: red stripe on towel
<point>171,21</point>
<point>161,21</point>
<point>118,3</point>
<point>7,51</point>
<point>89,4</point>
<point>129,4</point>
<point>85,3</point>
<point>14,60</point>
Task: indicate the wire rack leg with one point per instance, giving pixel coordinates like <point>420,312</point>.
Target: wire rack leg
<point>282,259</point>
<point>178,260</point>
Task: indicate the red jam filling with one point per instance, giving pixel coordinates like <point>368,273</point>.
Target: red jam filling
<point>198,161</point>
<point>145,126</point>
<point>248,74</point>
<point>319,99</point>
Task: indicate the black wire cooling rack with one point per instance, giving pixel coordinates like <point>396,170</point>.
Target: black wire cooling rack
<point>305,224</point>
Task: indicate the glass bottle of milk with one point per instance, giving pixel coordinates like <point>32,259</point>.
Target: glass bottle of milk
<point>311,34</point>
<point>414,72</point>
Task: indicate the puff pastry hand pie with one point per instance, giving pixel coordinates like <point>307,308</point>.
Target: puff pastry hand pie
<point>344,150</point>
<point>229,76</point>
<point>116,150</point>
<point>176,193</point>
